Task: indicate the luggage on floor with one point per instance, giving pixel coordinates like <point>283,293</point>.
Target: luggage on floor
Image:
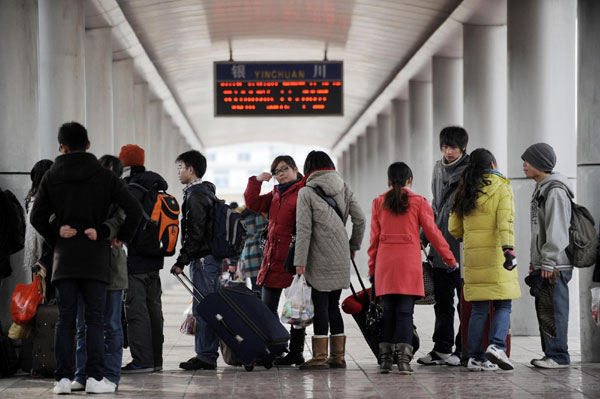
<point>465,315</point>
<point>358,304</point>
<point>43,361</point>
<point>9,362</point>
<point>246,325</point>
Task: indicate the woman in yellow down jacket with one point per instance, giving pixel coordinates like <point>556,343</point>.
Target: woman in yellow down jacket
<point>483,216</point>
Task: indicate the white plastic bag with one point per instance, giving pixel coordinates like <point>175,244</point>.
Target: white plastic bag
<point>596,305</point>
<point>188,326</point>
<point>298,309</point>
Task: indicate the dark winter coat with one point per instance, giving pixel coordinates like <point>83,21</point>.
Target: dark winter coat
<point>137,262</point>
<point>282,216</point>
<point>196,223</point>
<point>79,191</point>
<point>443,187</point>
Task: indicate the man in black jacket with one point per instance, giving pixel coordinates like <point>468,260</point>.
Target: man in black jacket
<point>143,307</point>
<point>196,231</point>
<point>79,192</point>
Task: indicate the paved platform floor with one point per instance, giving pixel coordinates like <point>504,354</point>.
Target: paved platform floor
<point>360,380</point>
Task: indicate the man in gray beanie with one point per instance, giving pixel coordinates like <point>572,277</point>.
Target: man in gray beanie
<point>550,220</point>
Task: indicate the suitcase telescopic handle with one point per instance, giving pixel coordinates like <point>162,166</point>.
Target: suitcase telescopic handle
<point>187,284</point>
<point>221,320</point>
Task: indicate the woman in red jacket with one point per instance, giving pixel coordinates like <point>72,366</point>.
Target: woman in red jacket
<point>281,207</point>
<point>395,262</point>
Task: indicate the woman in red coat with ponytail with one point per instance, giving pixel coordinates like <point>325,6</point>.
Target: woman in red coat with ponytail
<point>395,262</point>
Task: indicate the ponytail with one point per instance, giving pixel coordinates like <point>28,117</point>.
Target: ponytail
<point>396,200</point>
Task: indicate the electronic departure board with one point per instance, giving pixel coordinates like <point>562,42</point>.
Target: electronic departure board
<point>278,88</point>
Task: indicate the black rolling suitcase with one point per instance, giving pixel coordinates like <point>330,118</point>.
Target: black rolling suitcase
<point>243,322</point>
<point>43,360</point>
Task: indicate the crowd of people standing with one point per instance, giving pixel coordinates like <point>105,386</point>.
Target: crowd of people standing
<point>82,212</point>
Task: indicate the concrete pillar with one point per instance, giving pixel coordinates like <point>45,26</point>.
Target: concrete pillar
<point>374,175</point>
<point>62,68</point>
<point>19,119</point>
<point>421,136</point>
<point>165,132</point>
<point>364,198</point>
<point>588,158</point>
<point>400,121</point>
<point>123,104</point>
<point>141,102</point>
<point>99,90</point>
<point>155,114</point>
<point>355,169</point>
<point>447,97</point>
<point>385,146</point>
<point>541,48</point>
<point>485,90</point>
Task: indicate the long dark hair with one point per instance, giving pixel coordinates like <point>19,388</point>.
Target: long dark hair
<point>472,181</point>
<point>396,200</point>
<point>37,173</point>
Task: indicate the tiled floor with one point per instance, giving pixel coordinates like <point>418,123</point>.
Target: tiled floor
<point>360,380</point>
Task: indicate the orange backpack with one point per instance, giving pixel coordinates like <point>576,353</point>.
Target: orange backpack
<point>158,232</point>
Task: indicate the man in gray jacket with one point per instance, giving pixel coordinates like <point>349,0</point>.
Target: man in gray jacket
<point>550,221</point>
<point>446,173</point>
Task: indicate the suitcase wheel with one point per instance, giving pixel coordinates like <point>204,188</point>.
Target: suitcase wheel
<point>249,367</point>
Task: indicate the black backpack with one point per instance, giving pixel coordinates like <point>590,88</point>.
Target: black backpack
<point>228,229</point>
<point>583,239</point>
<point>13,232</point>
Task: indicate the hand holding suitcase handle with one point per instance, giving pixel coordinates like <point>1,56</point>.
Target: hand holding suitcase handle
<point>199,297</point>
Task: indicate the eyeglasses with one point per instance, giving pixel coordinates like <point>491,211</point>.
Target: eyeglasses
<point>280,171</point>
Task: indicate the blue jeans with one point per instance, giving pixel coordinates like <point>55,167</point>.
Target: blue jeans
<point>113,339</point>
<point>397,320</point>
<point>205,276</point>
<point>94,298</point>
<point>555,347</point>
<point>498,329</point>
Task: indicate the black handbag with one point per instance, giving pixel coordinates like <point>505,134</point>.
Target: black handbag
<point>374,314</point>
<point>429,298</point>
<point>288,265</point>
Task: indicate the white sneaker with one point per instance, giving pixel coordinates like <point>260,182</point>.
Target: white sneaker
<point>548,363</point>
<point>92,385</point>
<point>476,365</point>
<point>498,356</point>
<point>77,386</point>
<point>62,387</point>
<point>433,358</point>
<point>453,360</point>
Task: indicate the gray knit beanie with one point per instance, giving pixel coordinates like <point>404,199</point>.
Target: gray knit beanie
<point>541,156</point>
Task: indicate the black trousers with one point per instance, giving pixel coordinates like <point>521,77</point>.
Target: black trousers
<point>327,312</point>
<point>143,311</point>
<point>447,288</point>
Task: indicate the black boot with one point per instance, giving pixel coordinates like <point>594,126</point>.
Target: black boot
<point>296,349</point>
<point>386,353</point>
<point>404,352</point>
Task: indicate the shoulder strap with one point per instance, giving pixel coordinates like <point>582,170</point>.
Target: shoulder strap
<point>555,184</point>
<point>327,199</point>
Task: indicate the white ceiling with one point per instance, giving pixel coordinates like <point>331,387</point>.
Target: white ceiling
<point>375,39</point>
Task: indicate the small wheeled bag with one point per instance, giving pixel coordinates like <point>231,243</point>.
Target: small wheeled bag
<point>246,325</point>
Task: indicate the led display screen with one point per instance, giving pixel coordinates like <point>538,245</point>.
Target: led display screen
<point>278,88</point>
